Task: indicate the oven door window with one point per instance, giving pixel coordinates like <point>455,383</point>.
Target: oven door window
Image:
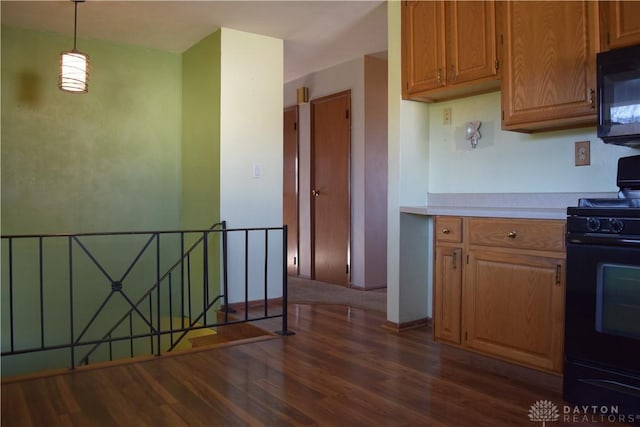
<point>618,300</point>
<point>603,306</point>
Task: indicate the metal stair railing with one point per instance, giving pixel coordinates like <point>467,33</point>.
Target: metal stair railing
<point>28,292</point>
<point>135,307</point>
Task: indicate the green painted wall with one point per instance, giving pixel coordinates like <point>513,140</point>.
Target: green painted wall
<point>108,160</point>
<point>201,158</point>
<point>201,133</point>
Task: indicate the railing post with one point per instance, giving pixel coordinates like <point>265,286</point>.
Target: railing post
<point>11,320</point>
<point>41,267</point>
<point>205,274</point>
<point>266,271</point>
<point>246,274</point>
<point>225,272</point>
<point>285,284</point>
<point>71,331</point>
<point>158,289</point>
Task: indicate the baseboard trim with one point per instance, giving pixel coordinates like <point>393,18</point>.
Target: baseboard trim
<point>405,326</point>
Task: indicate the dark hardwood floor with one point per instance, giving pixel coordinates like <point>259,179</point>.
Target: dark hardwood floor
<point>340,369</point>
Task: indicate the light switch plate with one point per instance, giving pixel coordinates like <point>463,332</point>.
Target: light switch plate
<point>582,153</point>
<point>446,116</point>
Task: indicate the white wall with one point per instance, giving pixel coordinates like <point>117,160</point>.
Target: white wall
<point>251,135</point>
<point>512,162</point>
<point>408,149</point>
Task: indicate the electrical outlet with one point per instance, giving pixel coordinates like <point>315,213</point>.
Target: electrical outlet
<point>446,116</point>
<point>582,153</point>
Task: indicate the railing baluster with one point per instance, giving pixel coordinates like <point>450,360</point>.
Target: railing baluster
<point>41,267</point>
<point>11,319</point>
<point>182,278</point>
<point>159,327</point>
<point>246,274</point>
<point>285,284</point>
<point>110,348</point>
<point>205,274</point>
<point>189,284</point>
<point>170,311</point>
<point>266,270</point>
<point>71,329</point>
<point>131,334</point>
<point>151,351</point>
<point>225,273</point>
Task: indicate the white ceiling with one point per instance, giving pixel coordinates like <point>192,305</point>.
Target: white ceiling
<point>316,34</point>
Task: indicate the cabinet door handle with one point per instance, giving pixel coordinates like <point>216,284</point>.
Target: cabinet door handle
<point>512,234</point>
<point>592,97</point>
<point>454,256</point>
<point>453,73</point>
<point>446,231</point>
<point>439,76</point>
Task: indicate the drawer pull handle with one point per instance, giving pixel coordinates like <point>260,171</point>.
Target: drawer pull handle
<point>446,231</point>
<point>512,235</point>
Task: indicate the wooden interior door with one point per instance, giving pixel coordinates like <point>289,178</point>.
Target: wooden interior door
<point>290,198</point>
<point>330,199</point>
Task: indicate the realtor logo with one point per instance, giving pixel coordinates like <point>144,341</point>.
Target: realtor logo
<point>543,410</point>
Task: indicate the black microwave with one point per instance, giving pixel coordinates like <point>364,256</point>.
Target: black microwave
<point>618,80</point>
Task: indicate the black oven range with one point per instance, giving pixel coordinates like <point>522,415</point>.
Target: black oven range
<point>602,308</point>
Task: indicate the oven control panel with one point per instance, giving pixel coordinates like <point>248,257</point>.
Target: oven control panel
<point>603,225</point>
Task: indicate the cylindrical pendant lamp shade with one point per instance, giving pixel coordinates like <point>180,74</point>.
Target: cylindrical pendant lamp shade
<point>74,72</point>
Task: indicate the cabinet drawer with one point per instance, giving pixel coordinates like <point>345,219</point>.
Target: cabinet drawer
<point>448,229</point>
<point>543,235</point>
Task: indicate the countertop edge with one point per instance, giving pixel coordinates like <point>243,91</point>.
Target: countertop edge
<point>501,205</point>
<point>531,213</point>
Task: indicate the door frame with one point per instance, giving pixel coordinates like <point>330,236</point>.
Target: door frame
<point>296,109</point>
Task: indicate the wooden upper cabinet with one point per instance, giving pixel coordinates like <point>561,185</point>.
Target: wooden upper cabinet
<point>549,64</point>
<point>448,49</point>
<point>472,52</point>
<point>621,23</point>
<point>423,46</point>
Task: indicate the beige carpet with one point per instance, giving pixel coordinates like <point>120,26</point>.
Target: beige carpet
<point>304,291</point>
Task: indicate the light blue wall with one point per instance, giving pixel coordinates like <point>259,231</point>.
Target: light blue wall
<point>512,162</point>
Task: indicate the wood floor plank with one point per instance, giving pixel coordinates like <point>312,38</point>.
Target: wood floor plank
<point>341,368</point>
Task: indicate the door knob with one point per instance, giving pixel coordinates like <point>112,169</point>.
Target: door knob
<point>315,193</point>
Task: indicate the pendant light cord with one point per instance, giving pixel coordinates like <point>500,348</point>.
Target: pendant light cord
<point>75,24</point>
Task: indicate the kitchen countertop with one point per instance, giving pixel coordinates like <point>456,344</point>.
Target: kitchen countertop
<point>502,205</point>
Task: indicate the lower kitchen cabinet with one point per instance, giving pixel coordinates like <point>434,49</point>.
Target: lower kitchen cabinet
<point>500,290</point>
<point>448,295</point>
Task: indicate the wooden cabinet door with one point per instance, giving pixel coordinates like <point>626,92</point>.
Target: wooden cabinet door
<point>514,307</point>
<point>549,64</point>
<point>621,23</point>
<point>447,294</point>
<point>423,52</point>
<point>471,46</point>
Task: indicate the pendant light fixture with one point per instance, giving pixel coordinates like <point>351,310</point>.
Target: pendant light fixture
<point>74,65</point>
